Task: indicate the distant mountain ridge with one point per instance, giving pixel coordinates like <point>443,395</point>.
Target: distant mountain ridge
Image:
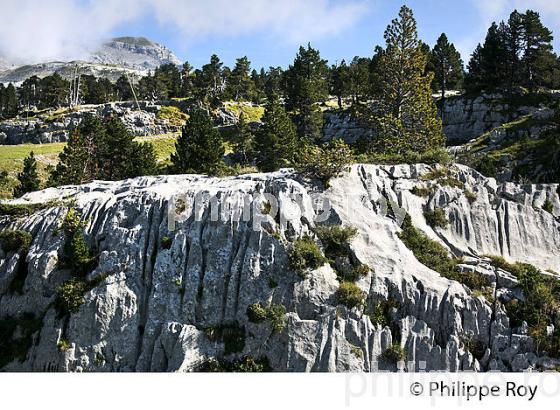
<point>134,52</point>
<point>133,55</point>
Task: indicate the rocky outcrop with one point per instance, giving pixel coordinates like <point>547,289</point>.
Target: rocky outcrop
<point>465,118</point>
<point>133,56</point>
<point>180,259</point>
<point>58,126</point>
<point>343,125</point>
<point>519,150</point>
<point>135,52</point>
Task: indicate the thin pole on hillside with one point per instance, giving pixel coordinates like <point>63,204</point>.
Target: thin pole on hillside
<point>133,92</point>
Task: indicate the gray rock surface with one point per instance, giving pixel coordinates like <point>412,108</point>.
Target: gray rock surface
<point>154,306</point>
<point>134,52</point>
<point>135,56</point>
<point>465,118</point>
<point>57,128</point>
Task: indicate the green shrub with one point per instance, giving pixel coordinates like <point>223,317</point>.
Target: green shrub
<point>471,196</point>
<point>356,351</point>
<point>166,242</point>
<point>76,253</point>
<point>428,252</point>
<point>380,313</point>
<point>232,335</point>
<point>274,313</point>
<point>487,166</point>
<point>548,206</point>
<point>70,296</point>
<point>335,239</point>
<point>436,218</point>
<point>443,176</point>
<point>256,313</point>
<point>421,191</point>
<point>15,241</point>
<point>540,305</point>
<point>436,156</point>
<point>266,208</point>
<point>63,345</point>
<point>357,272</point>
<point>475,347</point>
<point>247,364</point>
<point>305,255</point>
<point>19,209</point>
<point>394,354</point>
<point>325,162</point>
<point>350,295</point>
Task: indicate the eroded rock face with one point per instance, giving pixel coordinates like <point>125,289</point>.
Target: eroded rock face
<point>57,128</point>
<point>466,118</point>
<point>158,306</point>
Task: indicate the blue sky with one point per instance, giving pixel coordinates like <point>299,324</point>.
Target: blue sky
<point>267,31</point>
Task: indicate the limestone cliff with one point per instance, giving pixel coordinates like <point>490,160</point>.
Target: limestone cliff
<point>168,298</point>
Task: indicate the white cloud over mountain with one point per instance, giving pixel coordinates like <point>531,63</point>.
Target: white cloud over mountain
<point>35,30</point>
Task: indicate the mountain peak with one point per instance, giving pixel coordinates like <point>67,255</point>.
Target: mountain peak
<point>134,52</point>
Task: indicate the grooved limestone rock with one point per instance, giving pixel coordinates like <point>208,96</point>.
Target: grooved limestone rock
<point>159,308</point>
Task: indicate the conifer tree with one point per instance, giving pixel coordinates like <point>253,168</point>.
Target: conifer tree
<point>537,58</point>
<point>102,150</point>
<point>243,141</point>
<point>200,148</point>
<point>339,81</point>
<point>28,178</point>
<point>405,116</point>
<point>187,80</point>
<point>275,141</point>
<point>77,162</point>
<point>447,65</point>
<point>240,85</point>
<point>306,84</point>
<point>488,66</point>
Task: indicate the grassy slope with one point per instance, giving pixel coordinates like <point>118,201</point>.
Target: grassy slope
<point>11,157</point>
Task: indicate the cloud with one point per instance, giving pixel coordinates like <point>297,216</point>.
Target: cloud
<point>37,30</point>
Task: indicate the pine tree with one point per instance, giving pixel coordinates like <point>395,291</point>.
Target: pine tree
<point>167,80</point>
<point>10,101</point>
<point>273,81</point>
<point>488,68</point>
<point>200,148</point>
<point>114,150</point>
<point>102,150</point>
<point>276,140</point>
<point>123,89</point>
<point>240,85</point>
<point>514,48</point>
<point>447,65</point>
<point>306,84</point>
<point>28,178</point>
<point>405,115</point>
<point>187,80</point>
<point>538,49</point>
<point>77,162</point>
<point>209,82</point>
<point>359,78</point>
<point>340,82</point>
<point>243,141</point>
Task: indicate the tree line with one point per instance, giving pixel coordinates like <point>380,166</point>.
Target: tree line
<point>392,92</point>
<point>515,53</point>
<point>102,148</point>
